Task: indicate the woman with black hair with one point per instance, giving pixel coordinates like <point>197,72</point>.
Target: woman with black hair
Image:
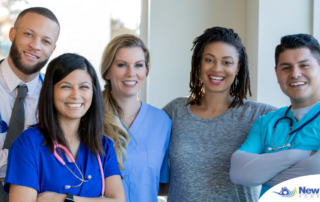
<point>65,154</point>
<point>212,123</point>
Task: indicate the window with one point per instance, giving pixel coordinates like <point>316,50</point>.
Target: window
<point>86,26</point>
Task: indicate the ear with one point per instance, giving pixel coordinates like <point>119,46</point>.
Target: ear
<point>54,48</point>
<point>238,69</point>
<point>147,72</point>
<point>107,77</point>
<point>275,69</point>
<point>12,34</point>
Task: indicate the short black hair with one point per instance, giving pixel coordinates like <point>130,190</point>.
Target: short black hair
<point>40,11</point>
<point>90,128</point>
<point>298,41</point>
<point>219,34</point>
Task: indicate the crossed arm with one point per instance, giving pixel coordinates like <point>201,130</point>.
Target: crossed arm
<point>114,192</point>
<point>251,169</point>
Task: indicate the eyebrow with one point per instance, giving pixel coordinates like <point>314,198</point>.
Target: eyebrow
<point>302,61</point>
<point>215,56</point>
<point>127,63</point>
<point>47,37</point>
<point>71,84</point>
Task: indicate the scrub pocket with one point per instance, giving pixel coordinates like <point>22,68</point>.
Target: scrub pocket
<point>154,162</point>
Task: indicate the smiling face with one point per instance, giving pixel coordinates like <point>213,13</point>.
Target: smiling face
<point>298,74</point>
<point>219,66</point>
<point>128,72</point>
<point>72,95</point>
<point>33,42</point>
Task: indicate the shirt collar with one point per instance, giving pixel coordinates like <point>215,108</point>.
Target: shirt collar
<point>12,80</point>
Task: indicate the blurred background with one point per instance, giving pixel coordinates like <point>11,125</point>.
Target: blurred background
<point>168,28</point>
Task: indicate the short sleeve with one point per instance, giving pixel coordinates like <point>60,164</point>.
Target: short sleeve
<point>22,167</point>
<point>253,142</point>
<point>110,164</point>
<point>164,172</point>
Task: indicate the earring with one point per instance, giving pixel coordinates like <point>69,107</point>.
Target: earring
<point>106,86</point>
<point>236,81</point>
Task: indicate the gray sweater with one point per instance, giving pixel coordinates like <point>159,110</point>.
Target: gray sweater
<point>200,151</point>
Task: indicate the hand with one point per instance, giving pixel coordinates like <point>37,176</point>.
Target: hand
<point>51,197</point>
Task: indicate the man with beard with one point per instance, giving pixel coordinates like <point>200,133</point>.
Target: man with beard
<point>33,37</point>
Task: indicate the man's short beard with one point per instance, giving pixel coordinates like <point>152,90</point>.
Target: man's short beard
<point>17,61</point>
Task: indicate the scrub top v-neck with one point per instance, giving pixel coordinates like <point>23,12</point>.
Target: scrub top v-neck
<point>32,164</point>
<point>147,162</point>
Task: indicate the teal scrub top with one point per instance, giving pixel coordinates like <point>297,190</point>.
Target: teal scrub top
<point>147,151</point>
<point>260,137</point>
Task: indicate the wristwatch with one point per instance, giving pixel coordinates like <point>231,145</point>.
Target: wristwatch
<point>69,198</point>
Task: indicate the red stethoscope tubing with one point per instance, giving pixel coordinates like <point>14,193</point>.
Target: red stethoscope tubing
<point>56,145</point>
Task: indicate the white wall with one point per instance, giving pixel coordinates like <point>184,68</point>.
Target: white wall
<point>252,39</point>
<point>277,18</point>
<point>173,25</point>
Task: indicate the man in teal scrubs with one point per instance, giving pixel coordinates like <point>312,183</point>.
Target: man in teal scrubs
<point>268,158</point>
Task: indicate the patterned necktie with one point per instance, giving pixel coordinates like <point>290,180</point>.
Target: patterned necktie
<point>16,124</point>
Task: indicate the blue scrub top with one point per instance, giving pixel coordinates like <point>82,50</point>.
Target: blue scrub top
<point>147,162</point>
<point>261,134</point>
<point>32,164</point>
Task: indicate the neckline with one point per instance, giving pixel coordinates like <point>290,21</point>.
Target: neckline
<point>135,126</point>
<point>209,119</point>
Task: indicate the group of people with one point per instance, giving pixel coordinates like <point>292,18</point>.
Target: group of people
<point>62,138</point>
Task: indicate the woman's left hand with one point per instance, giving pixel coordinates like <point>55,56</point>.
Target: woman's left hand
<point>49,196</point>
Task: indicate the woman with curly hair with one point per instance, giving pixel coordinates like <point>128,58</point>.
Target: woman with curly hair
<point>212,123</point>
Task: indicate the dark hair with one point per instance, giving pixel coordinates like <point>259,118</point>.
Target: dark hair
<point>90,128</point>
<point>219,34</point>
<point>298,41</point>
<point>40,11</point>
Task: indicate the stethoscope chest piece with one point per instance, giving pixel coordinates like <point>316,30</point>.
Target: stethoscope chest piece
<point>3,126</point>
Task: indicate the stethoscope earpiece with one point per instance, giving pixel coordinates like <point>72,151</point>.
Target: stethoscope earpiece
<point>269,148</point>
<point>89,177</point>
<point>67,187</point>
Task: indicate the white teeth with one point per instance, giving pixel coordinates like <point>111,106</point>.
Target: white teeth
<point>216,78</point>
<point>297,84</point>
<point>74,105</point>
<point>131,83</point>
<point>30,55</point>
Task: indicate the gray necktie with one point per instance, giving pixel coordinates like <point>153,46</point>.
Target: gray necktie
<point>16,124</point>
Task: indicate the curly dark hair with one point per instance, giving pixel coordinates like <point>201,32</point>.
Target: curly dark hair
<point>219,34</point>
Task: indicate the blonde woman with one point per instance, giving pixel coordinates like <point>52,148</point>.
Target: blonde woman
<point>124,67</point>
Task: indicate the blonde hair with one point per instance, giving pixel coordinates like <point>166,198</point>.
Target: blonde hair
<point>113,127</point>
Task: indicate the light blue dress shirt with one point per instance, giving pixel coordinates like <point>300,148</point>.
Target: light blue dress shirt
<point>260,137</point>
<point>147,163</point>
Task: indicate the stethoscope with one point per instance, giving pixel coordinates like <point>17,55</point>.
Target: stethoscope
<point>290,133</point>
<point>56,145</point>
<point>3,124</point>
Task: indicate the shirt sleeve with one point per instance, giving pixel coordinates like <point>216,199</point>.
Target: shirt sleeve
<point>22,166</point>
<point>3,162</point>
<point>164,172</point>
<point>110,164</point>
<point>309,166</point>
<point>255,169</point>
<point>253,142</point>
